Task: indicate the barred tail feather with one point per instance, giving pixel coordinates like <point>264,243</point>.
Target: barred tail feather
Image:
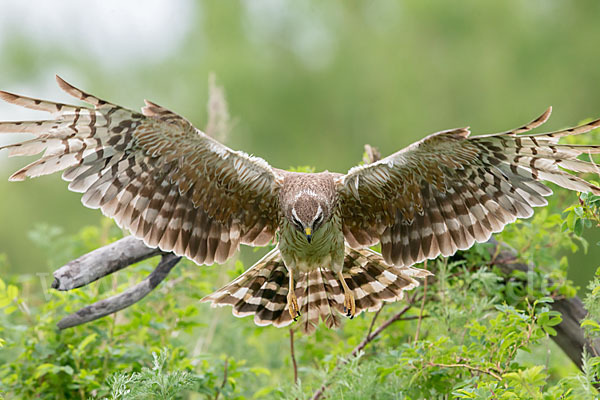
<point>373,281</point>
<point>262,290</point>
<point>318,300</point>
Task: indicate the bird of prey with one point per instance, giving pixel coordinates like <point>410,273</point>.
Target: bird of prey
<point>180,190</point>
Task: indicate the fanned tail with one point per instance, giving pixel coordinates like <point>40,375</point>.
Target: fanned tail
<point>262,290</point>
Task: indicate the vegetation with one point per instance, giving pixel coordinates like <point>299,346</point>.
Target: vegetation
<point>471,332</point>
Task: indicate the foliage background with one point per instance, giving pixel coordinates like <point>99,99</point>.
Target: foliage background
<point>296,74</point>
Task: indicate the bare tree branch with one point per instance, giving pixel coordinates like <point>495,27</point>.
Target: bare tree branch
<point>371,154</point>
<point>101,262</point>
<point>122,300</point>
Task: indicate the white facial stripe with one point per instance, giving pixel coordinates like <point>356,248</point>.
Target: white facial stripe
<point>319,212</point>
<point>294,214</point>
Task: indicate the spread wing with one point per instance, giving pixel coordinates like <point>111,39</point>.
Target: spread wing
<point>450,190</point>
<point>154,173</point>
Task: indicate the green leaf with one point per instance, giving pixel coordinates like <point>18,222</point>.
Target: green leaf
<point>578,229</point>
<point>463,394</point>
<point>10,309</point>
<point>261,393</point>
<point>4,301</point>
<point>67,369</point>
<point>590,324</point>
<point>260,371</point>
<point>43,369</point>
<point>12,292</point>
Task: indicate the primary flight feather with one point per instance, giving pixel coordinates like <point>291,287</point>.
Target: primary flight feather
<point>180,190</point>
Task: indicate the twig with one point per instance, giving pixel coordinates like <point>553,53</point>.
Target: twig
<point>467,366</point>
<point>368,339</point>
<point>422,305</point>
<point>220,389</point>
<point>371,154</point>
<point>293,356</point>
<point>122,300</point>
<point>412,317</point>
<point>218,125</point>
<point>374,319</point>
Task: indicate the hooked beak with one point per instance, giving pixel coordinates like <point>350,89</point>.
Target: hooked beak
<point>308,233</point>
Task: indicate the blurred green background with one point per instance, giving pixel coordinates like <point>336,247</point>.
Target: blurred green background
<point>308,83</point>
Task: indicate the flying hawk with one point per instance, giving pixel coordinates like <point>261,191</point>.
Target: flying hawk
<point>174,187</point>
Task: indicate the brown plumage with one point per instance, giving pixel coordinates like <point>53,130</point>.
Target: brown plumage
<point>179,189</point>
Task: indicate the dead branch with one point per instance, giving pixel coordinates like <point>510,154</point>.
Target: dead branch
<point>122,300</point>
<point>372,325</point>
<point>101,262</point>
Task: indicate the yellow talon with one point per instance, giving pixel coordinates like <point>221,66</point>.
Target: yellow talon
<point>349,303</point>
<point>292,301</point>
<point>293,308</point>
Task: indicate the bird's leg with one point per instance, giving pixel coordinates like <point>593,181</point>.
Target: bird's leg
<point>349,304</point>
<point>292,301</point>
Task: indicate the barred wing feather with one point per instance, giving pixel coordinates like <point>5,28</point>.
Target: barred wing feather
<point>449,190</point>
<point>154,173</point>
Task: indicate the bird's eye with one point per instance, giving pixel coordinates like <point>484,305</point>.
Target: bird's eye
<point>319,219</point>
<point>297,222</point>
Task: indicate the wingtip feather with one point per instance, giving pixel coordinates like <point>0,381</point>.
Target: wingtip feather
<point>535,123</point>
<point>545,115</point>
<point>67,87</point>
<point>78,93</point>
<point>8,97</point>
<point>18,176</point>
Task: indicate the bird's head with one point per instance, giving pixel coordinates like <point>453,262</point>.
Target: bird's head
<point>307,214</point>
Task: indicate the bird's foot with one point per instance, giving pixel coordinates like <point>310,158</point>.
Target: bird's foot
<point>349,304</point>
<point>293,308</point>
